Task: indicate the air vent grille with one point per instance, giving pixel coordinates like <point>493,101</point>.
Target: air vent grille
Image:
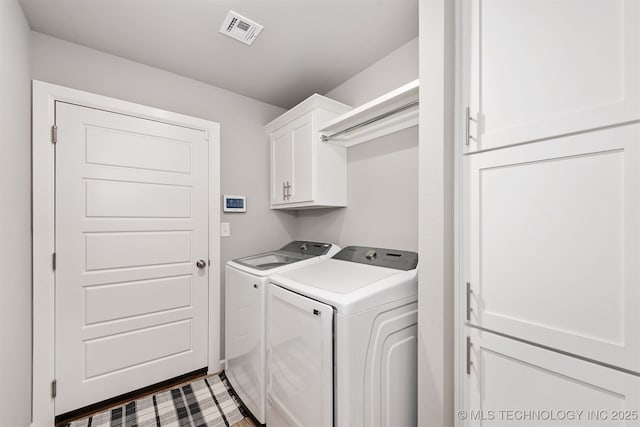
<point>240,28</point>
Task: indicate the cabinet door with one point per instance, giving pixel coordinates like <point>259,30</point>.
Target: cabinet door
<point>515,384</point>
<point>552,243</point>
<point>304,162</point>
<point>281,165</point>
<point>537,69</point>
<point>299,360</point>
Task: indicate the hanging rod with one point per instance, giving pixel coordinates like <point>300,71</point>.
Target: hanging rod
<point>326,138</point>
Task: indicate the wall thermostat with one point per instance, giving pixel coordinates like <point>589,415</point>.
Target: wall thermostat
<point>235,203</point>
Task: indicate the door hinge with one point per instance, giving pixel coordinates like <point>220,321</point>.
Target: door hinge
<point>53,261</point>
<point>54,134</point>
<point>54,389</point>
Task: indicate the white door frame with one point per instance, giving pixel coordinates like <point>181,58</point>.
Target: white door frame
<point>44,96</point>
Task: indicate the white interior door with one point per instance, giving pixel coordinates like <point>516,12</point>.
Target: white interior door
<point>539,69</point>
<point>299,360</point>
<point>552,243</point>
<point>131,220</point>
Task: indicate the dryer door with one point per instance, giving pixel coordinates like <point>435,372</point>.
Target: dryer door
<point>299,360</point>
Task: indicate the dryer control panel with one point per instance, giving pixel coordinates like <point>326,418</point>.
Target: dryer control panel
<point>307,248</point>
<point>380,257</point>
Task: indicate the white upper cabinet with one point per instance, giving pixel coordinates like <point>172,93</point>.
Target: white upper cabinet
<point>305,172</point>
<point>539,69</point>
<point>552,243</point>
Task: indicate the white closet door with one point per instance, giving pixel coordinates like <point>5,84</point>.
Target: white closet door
<point>131,220</point>
<point>514,384</point>
<point>537,69</point>
<point>552,244</point>
<point>299,360</point>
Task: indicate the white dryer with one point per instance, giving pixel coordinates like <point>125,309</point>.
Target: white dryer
<point>245,299</point>
<point>342,341</point>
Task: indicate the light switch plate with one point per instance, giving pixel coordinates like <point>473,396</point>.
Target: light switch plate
<point>225,229</point>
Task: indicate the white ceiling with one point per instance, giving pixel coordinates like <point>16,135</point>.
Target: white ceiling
<point>306,46</point>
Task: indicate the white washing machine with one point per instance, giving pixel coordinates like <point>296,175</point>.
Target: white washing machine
<point>245,299</point>
<point>342,341</point>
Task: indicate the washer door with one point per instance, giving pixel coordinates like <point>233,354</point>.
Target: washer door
<point>299,360</point>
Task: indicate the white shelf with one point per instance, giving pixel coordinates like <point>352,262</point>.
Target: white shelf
<point>374,119</point>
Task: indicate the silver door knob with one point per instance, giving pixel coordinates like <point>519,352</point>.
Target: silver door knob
<point>201,264</point>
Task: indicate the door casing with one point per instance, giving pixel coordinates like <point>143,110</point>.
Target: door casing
<point>44,96</point>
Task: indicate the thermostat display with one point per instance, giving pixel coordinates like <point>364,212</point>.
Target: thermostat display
<point>235,203</point>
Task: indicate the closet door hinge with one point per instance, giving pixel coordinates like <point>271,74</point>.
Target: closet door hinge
<point>54,389</point>
<point>53,261</point>
<point>54,134</point>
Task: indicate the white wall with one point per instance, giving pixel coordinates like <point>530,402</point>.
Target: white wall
<point>382,193</point>
<point>15,217</point>
<point>244,144</point>
<point>388,73</point>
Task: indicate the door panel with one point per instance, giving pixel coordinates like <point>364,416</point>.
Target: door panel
<point>303,159</point>
<point>113,148</point>
<point>281,164</point>
<point>131,220</point>
<point>136,249</point>
<point>113,302</point>
<point>114,199</point>
<point>553,242</point>
<point>538,69</point>
<point>168,340</point>
<point>299,360</point>
<point>507,375</point>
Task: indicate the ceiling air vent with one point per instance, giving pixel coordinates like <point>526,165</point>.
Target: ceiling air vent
<point>240,28</point>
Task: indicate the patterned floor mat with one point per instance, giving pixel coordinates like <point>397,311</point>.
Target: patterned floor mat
<point>206,402</point>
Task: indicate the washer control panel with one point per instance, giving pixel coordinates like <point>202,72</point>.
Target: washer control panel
<point>380,257</point>
<point>307,248</point>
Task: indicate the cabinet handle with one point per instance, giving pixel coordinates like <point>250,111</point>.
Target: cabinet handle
<point>284,191</point>
<point>288,190</point>
<point>469,309</point>
<point>469,362</point>
<point>468,120</point>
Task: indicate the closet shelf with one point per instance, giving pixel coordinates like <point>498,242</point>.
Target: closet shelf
<point>391,112</point>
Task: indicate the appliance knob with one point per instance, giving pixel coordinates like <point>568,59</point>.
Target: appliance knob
<point>371,255</point>
<point>303,247</point>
